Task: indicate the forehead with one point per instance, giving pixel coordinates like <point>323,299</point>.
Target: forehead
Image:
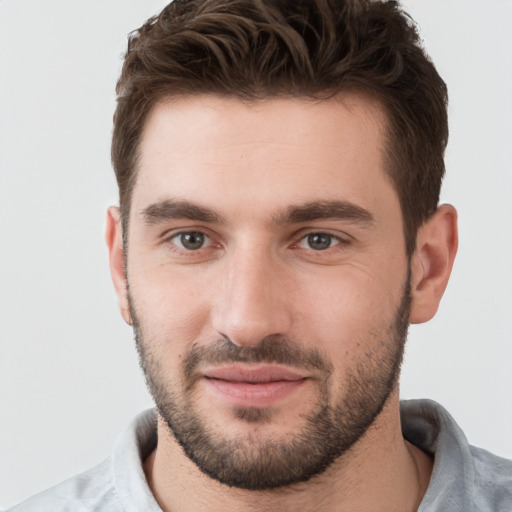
<point>224,152</point>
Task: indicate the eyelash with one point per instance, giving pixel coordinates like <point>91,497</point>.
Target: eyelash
<point>191,232</point>
<point>334,241</point>
<point>332,238</point>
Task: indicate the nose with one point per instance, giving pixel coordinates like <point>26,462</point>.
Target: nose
<point>253,301</point>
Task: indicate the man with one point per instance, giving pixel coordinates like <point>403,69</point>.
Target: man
<point>279,167</point>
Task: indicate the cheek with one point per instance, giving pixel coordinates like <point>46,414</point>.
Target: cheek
<point>350,312</point>
<point>173,309</point>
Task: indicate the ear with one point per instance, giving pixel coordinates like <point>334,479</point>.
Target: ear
<point>114,239</point>
<point>432,261</point>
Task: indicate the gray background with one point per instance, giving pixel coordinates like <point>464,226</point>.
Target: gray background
<point>69,379</point>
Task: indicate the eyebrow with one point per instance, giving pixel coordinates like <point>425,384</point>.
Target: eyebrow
<point>339,210</point>
<point>175,209</point>
<point>317,210</point>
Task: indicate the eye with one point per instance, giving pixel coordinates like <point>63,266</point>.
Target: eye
<point>318,241</point>
<point>191,240</point>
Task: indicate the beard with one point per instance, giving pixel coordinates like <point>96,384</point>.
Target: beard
<point>258,462</point>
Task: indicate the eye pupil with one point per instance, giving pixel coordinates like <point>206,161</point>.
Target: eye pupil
<point>319,241</point>
<point>192,241</point>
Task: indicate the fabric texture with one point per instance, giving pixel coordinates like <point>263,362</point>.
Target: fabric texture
<point>464,478</point>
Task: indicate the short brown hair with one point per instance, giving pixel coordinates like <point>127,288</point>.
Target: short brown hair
<point>256,49</point>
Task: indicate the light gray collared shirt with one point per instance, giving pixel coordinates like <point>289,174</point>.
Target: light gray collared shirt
<point>464,478</point>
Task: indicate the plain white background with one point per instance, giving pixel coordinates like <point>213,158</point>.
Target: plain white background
<point>69,378</point>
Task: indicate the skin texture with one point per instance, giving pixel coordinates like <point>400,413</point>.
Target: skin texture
<point>254,274</point>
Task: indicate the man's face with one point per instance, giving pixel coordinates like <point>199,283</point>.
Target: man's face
<point>268,281</point>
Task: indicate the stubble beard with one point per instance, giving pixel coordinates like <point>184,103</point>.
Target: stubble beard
<point>256,462</point>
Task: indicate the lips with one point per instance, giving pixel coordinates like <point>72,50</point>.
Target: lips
<point>260,374</point>
<point>246,386</point>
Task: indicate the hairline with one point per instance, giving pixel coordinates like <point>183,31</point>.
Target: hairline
<point>390,139</point>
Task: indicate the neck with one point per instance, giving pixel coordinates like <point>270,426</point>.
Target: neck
<point>381,473</point>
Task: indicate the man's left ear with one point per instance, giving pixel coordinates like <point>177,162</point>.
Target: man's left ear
<point>432,261</point>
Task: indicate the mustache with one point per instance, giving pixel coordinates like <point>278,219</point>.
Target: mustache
<point>271,349</point>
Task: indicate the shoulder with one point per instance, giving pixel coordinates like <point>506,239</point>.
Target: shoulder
<point>493,481</point>
<point>118,484</point>
<point>91,491</point>
<point>464,478</point>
